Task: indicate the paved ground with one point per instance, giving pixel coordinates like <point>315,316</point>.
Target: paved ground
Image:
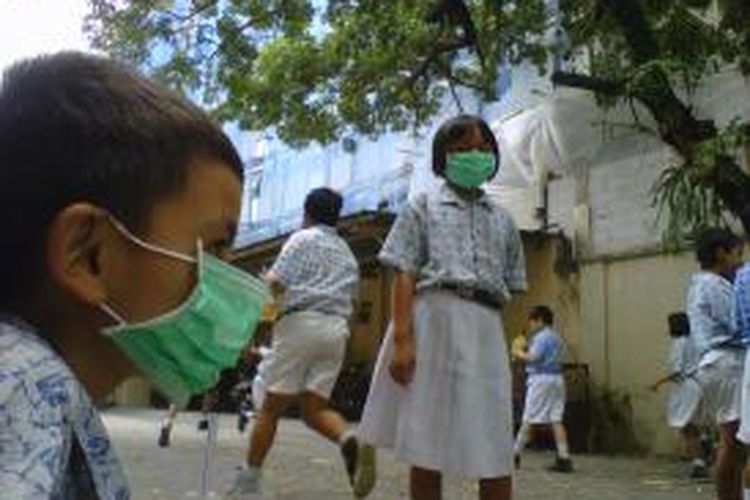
<point>302,466</point>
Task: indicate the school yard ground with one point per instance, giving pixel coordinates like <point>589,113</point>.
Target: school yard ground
<point>302,466</point>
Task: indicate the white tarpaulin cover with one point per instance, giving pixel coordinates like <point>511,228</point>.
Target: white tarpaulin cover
<point>566,131</point>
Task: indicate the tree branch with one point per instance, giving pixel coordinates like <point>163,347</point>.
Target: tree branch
<point>592,83</point>
<point>438,49</point>
<point>678,126</point>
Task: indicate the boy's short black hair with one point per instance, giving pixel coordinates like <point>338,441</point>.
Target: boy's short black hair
<point>454,130</point>
<point>543,314</point>
<point>81,128</point>
<point>679,325</point>
<point>323,206</point>
<point>745,220</point>
<point>710,241</point>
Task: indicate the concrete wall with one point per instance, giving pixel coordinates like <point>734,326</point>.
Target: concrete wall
<point>624,304</point>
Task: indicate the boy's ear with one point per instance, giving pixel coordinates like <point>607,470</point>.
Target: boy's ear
<point>76,245</point>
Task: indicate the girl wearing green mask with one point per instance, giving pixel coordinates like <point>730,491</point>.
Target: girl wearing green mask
<point>441,393</point>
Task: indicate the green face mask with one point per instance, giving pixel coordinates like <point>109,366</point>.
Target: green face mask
<point>469,169</point>
<point>183,351</point>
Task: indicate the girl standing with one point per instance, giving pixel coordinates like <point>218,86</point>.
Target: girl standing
<point>441,393</point>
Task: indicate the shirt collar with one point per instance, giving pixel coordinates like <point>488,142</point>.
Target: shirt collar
<point>325,228</point>
<point>448,196</point>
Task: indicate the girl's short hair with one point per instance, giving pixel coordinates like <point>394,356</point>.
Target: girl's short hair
<point>679,325</point>
<point>455,129</point>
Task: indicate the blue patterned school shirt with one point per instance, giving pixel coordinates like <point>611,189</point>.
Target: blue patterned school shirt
<point>546,353</point>
<point>742,303</point>
<point>444,239</point>
<point>53,444</point>
<point>319,272</point>
<point>710,302</point>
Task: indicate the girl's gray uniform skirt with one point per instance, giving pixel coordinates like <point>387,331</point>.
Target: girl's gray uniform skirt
<point>455,416</point>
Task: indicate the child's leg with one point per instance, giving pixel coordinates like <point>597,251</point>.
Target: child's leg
<point>425,484</point>
<point>690,441</point>
<point>561,440</point>
<point>170,417</point>
<point>264,430</point>
<point>728,466</point>
<point>248,481</point>
<point>319,416</point>
<point>499,488</point>
<point>359,458</point>
<point>522,439</point>
<point>165,429</point>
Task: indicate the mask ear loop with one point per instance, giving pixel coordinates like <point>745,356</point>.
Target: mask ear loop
<point>112,314</point>
<point>107,309</point>
<point>148,246</point>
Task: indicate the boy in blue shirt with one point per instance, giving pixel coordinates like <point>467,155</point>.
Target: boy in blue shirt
<point>545,393</point>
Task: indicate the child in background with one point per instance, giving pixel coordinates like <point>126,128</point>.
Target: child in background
<point>545,387</point>
<point>721,351</point>
<point>315,277</point>
<point>441,391</point>
<point>684,405</point>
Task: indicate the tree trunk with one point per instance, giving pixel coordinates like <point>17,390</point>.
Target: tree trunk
<point>678,126</point>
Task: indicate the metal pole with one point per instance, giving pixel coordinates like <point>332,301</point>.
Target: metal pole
<point>208,456</point>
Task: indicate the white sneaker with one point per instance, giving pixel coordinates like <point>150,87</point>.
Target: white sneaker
<point>246,484</point>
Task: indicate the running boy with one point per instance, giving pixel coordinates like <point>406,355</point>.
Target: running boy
<point>710,301</point>
<point>441,395</point>
<point>318,276</point>
<point>113,191</point>
<point>545,387</point>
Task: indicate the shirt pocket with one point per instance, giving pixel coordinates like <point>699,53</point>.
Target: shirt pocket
<point>449,238</point>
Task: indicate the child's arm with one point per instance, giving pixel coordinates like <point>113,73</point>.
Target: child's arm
<point>404,353</point>
<point>672,377</point>
<point>526,356</point>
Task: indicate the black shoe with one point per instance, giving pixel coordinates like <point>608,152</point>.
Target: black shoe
<point>350,452</point>
<point>242,421</point>
<point>203,424</point>
<point>164,436</point>
<point>563,465</point>
<point>698,471</point>
<point>517,461</point>
<point>707,449</point>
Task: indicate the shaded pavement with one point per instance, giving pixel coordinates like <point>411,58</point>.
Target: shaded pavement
<point>303,466</point>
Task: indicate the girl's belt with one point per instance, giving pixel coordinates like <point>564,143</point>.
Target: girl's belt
<point>473,294</point>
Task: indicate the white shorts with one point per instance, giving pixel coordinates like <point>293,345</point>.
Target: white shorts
<point>744,432</point>
<point>721,384</point>
<point>545,399</point>
<point>307,353</point>
<point>684,405</point>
